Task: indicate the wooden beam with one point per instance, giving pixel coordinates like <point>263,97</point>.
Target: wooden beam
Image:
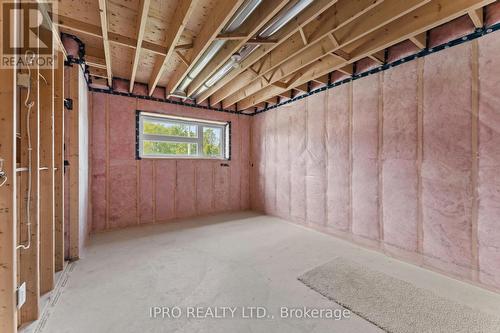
<point>59,163</point>
<point>105,41</point>
<point>182,58</point>
<point>142,18</point>
<point>92,30</point>
<point>421,19</point>
<point>47,256</point>
<point>223,11</point>
<point>174,32</point>
<point>8,216</point>
<point>305,17</point>
<point>477,17</point>
<point>262,14</point>
<point>420,40</point>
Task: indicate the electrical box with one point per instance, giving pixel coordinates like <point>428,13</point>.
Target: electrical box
<point>23,80</point>
<point>21,295</point>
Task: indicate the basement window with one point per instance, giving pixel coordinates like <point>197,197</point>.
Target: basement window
<point>162,136</point>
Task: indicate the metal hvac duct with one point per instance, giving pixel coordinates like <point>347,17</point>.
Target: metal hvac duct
<point>291,10</point>
<point>234,23</point>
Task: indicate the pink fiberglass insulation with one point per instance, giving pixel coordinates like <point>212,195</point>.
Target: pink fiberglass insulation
<point>366,64</point>
<point>457,28</point>
<point>492,14</point>
<point>337,165</point>
<point>165,174</point>
<point>270,163</point>
<point>297,143</point>
<point>399,156</point>
<point>146,192</point>
<point>98,160</point>
<point>222,195</point>
<point>204,183</point>
<point>489,161</point>
<point>401,50</point>
<point>258,162</point>
<point>446,171</point>
<point>431,224</point>
<point>315,159</point>
<point>244,162</point>
<point>282,162</point>
<point>185,198</point>
<point>365,213</point>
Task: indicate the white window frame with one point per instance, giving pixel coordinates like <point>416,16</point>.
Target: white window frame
<point>200,125</point>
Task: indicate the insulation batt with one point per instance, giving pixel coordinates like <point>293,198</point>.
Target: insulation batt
<point>349,165</point>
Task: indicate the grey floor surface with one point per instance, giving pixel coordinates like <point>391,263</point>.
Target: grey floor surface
<point>233,260</point>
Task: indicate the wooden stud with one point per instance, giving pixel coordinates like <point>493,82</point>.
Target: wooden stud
<point>141,27</point>
<point>29,259</point>
<point>47,248</point>
<point>475,158</point>
<point>59,162</point>
<point>8,191</point>
<point>420,153</point>
<point>380,156</point>
<point>74,162</point>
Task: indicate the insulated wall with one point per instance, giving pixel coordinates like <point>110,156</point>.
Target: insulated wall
<point>405,161</point>
<point>127,191</point>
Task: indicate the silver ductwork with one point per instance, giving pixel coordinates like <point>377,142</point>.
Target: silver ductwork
<point>245,10</point>
<point>291,10</point>
<point>288,12</point>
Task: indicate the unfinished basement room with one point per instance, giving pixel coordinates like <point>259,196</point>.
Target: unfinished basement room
<point>250,166</point>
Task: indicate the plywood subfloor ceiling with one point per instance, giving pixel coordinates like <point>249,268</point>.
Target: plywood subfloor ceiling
<point>157,42</point>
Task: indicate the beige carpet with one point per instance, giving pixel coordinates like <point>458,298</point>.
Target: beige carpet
<point>392,304</point>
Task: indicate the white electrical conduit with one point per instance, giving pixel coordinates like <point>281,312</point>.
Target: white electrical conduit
<point>29,105</point>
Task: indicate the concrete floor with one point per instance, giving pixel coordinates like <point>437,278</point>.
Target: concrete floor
<point>239,259</point>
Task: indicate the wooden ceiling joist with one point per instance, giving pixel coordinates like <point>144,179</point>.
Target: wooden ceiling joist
<point>93,30</point>
<point>141,27</point>
<point>262,14</point>
<point>433,14</point>
<point>107,53</point>
<point>223,11</point>
<point>309,14</point>
<point>318,44</point>
<point>174,32</point>
<point>284,63</point>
